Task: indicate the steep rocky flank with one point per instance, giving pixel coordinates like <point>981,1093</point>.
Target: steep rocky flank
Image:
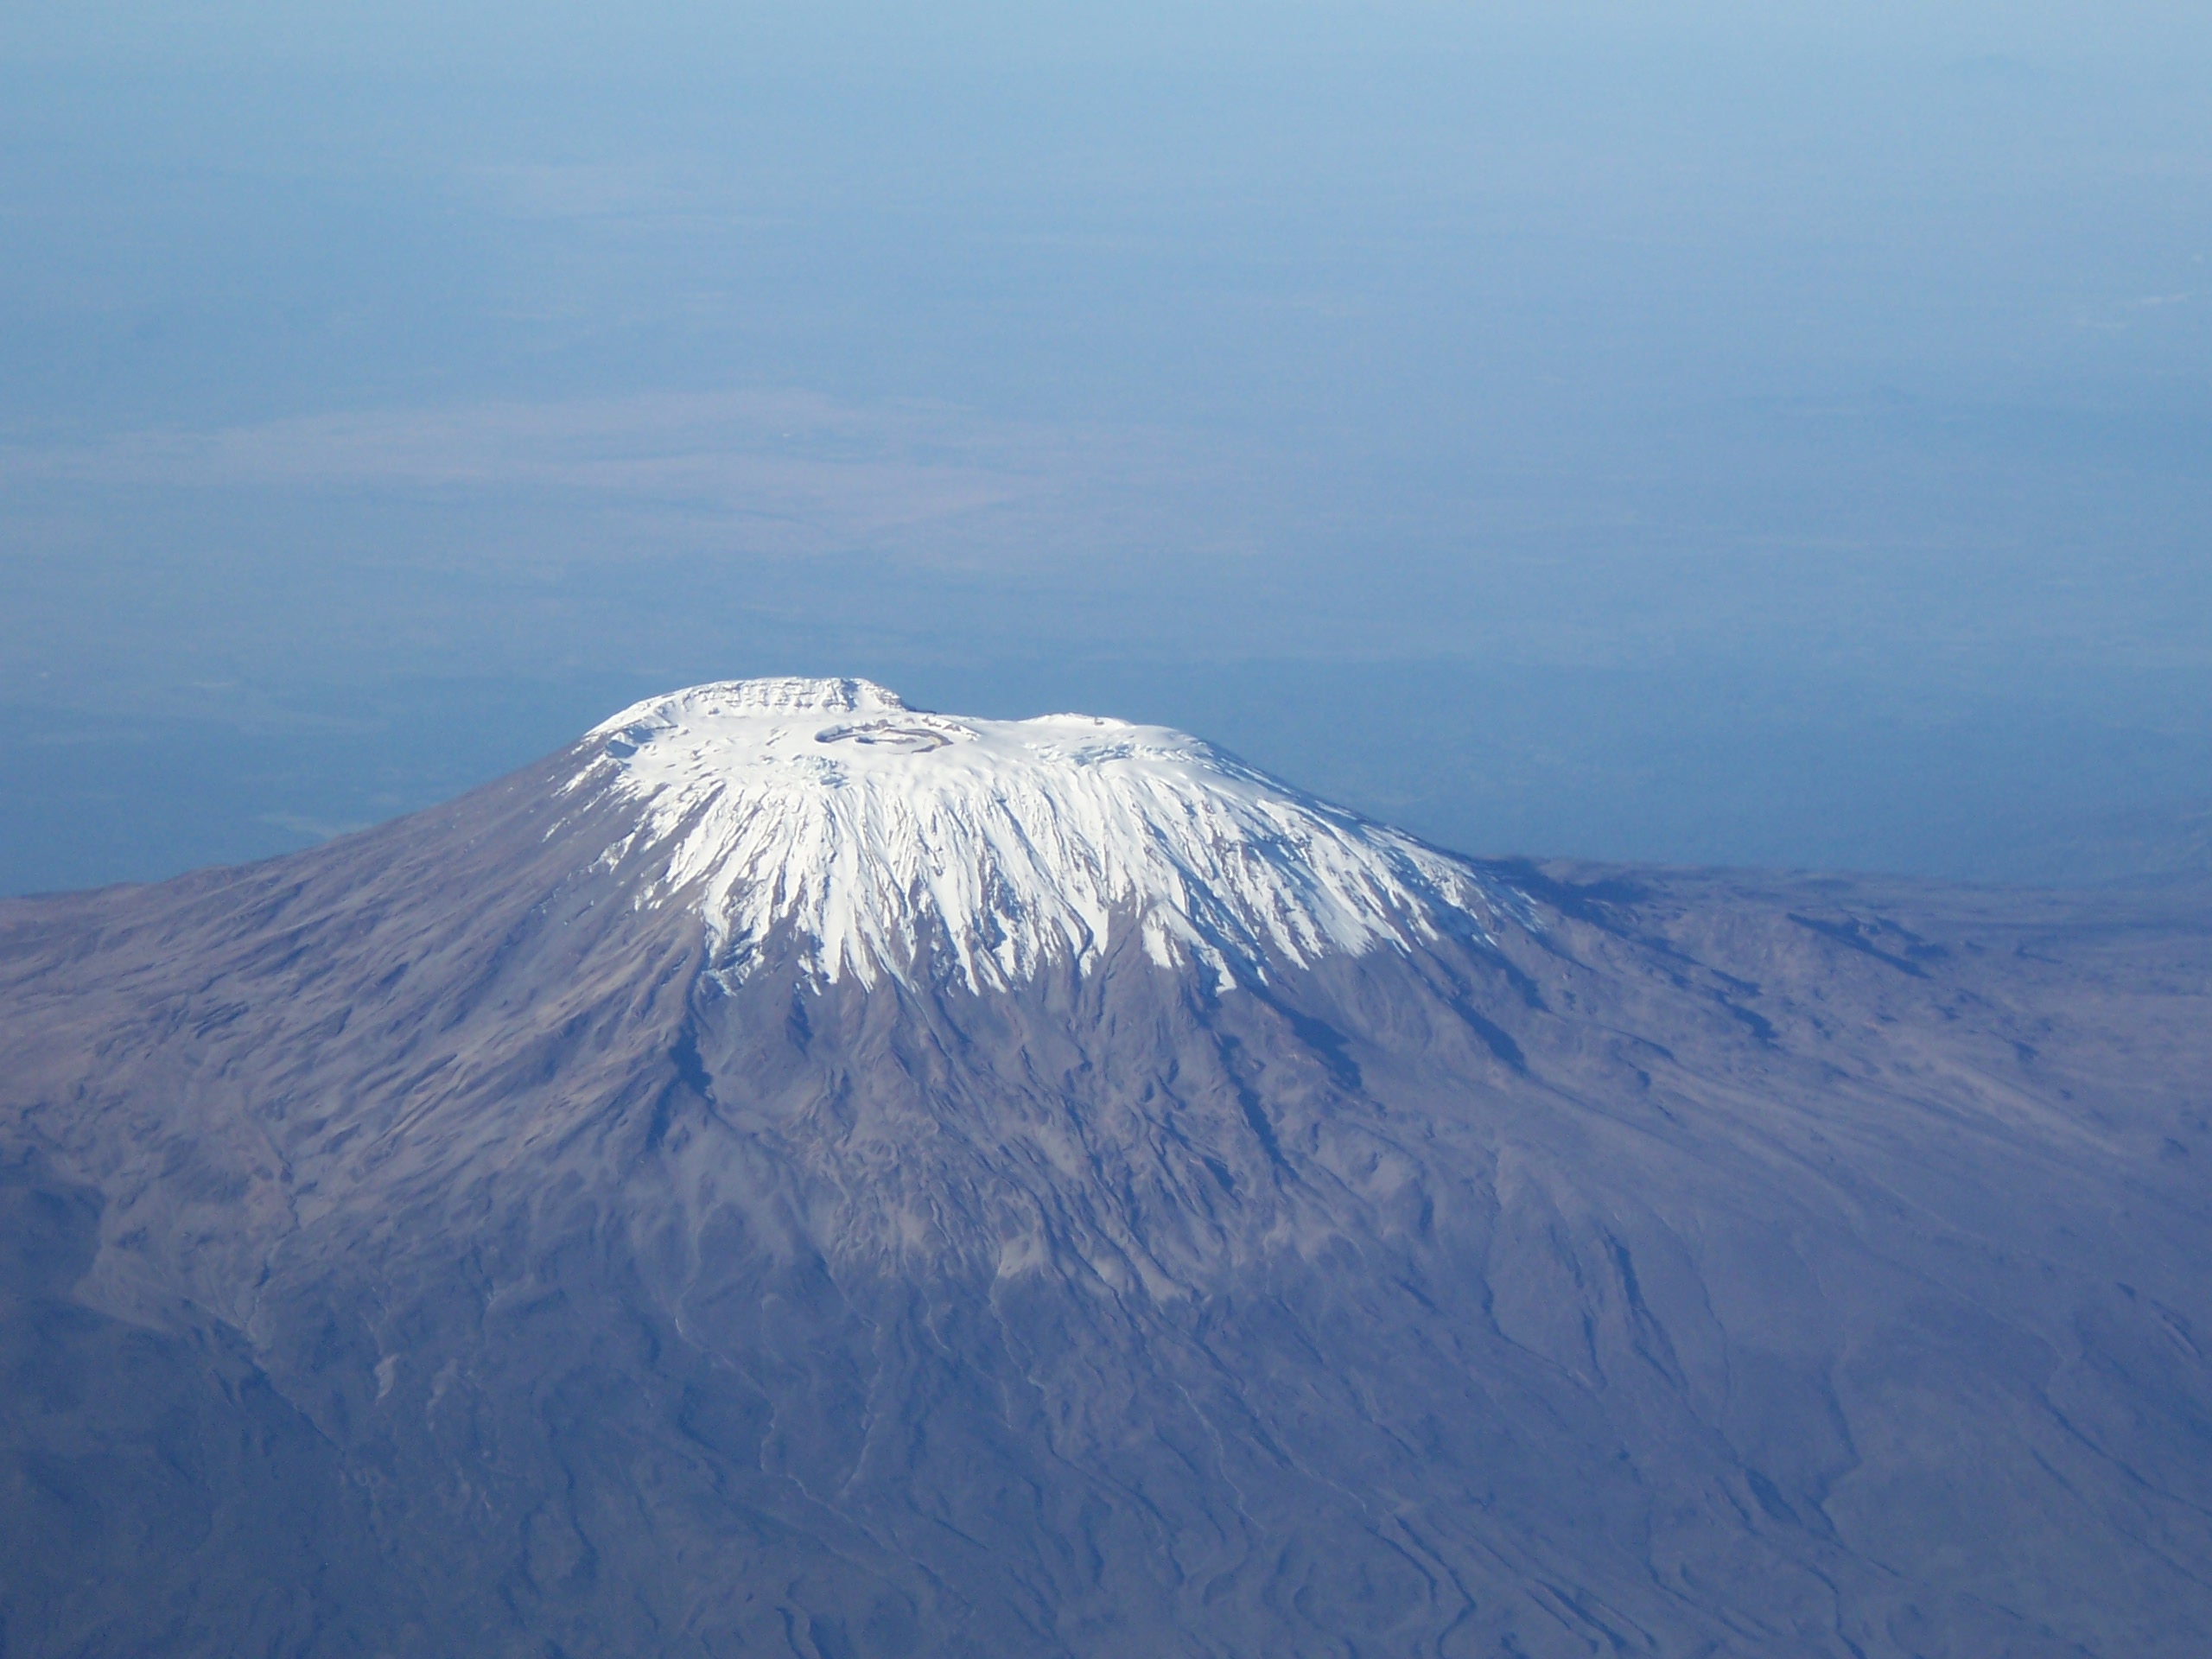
<point>504,1232</point>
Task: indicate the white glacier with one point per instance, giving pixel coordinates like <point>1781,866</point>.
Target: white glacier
<point>830,808</point>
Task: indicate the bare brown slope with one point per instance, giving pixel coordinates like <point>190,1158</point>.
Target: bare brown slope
<point>1793,1267</point>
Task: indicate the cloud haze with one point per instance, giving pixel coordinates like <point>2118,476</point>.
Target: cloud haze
<point>1742,435</point>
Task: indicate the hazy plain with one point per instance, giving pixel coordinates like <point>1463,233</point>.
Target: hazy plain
<point>1685,434</point>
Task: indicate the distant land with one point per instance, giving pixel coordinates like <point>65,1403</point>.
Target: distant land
<point>1498,761</point>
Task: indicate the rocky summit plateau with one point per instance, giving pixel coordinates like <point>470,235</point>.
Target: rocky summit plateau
<point>793,1175</point>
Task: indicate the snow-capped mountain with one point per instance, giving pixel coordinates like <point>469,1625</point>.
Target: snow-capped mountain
<point>829,809</point>
<point>795,1174</point>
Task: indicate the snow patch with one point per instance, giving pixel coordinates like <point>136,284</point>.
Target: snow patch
<point>830,808</point>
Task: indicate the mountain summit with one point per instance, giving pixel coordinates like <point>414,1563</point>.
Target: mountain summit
<point>794,1174</point>
<point>830,809</point>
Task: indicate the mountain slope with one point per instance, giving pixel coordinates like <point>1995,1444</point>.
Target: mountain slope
<point>1044,1188</point>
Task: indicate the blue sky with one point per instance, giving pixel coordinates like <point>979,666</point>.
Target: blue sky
<point>1699,434</point>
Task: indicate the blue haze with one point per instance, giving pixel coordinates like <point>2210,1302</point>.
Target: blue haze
<point>1682,433</point>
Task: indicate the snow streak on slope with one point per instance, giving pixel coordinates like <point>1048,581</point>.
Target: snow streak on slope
<point>829,807</point>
